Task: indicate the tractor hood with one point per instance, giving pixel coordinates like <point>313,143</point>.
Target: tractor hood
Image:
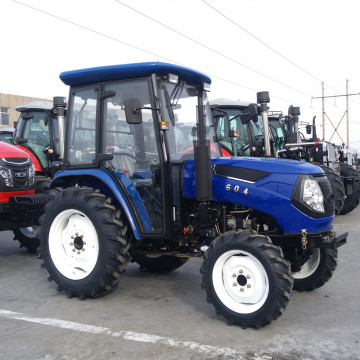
<point>266,185</point>
<point>268,165</point>
<point>11,151</point>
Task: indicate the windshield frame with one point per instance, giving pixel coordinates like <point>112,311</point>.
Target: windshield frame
<point>181,96</point>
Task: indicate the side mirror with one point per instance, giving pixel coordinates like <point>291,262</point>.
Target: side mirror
<point>27,116</point>
<point>20,140</point>
<point>308,129</point>
<point>249,114</point>
<point>133,111</point>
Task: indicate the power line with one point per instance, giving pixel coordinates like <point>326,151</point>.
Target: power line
<point>259,40</point>
<point>211,49</point>
<point>141,49</point>
<point>265,44</point>
<point>94,31</point>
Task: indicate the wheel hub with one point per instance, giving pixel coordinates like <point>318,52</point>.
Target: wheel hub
<point>78,243</point>
<point>241,279</point>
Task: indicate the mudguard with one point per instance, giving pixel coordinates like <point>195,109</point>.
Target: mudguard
<point>98,178</point>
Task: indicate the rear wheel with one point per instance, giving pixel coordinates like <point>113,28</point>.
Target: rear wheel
<point>352,199</point>
<point>246,278</point>
<point>159,263</point>
<point>84,242</point>
<point>317,270</point>
<point>337,187</point>
<point>27,238</point>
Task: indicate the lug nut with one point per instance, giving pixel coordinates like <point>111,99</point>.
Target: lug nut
<point>71,244</point>
<point>83,249</point>
<point>81,235</point>
<point>241,271</point>
<point>73,249</point>
<point>235,284</point>
<point>241,289</point>
<point>234,275</point>
<point>77,234</point>
<point>248,285</point>
<point>84,242</point>
<point>72,236</point>
<point>79,252</point>
<point>248,276</point>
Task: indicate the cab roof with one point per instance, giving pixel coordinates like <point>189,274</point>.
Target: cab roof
<point>228,103</point>
<point>35,105</point>
<point>130,71</point>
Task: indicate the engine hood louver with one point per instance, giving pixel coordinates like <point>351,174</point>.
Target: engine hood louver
<point>239,173</point>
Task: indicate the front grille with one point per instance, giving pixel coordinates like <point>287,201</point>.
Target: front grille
<point>19,168</point>
<point>325,186</point>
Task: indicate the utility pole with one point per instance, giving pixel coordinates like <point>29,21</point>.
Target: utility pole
<point>347,114</point>
<point>323,110</point>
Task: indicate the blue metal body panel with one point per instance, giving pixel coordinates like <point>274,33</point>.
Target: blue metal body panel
<point>109,182</point>
<point>270,195</point>
<point>130,71</point>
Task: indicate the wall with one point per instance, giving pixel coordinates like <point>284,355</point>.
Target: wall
<point>11,101</point>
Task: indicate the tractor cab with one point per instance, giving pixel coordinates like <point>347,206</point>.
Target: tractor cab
<point>37,134</point>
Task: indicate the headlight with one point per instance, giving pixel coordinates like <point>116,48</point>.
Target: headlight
<point>7,176</point>
<point>31,175</point>
<point>311,194</point>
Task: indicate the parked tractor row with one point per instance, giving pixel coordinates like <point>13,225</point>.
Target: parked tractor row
<point>278,136</point>
<point>137,174</point>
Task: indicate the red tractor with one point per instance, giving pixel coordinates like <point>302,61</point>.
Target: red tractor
<point>37,134</point>
<point>19,207</point>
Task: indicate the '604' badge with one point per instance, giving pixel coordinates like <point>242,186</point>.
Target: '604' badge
<point>236,189</point>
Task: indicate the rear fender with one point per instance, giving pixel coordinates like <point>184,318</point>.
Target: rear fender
<point>100,179</point>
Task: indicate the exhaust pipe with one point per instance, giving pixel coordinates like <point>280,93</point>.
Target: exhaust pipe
<point>60,106</point>
<point>263,99</point>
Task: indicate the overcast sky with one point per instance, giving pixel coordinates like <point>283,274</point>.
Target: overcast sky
<point>286,47</point>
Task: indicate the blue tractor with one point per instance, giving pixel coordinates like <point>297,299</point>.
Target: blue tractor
<point>143,180</point>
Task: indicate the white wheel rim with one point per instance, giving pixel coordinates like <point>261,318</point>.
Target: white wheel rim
<point>73,244</point>
<point>309,267</point>
<point>240,281</point>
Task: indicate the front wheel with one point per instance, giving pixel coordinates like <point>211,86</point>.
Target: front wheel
<point>84,242</point>
<point>317,270</point>
<point>246,278</point>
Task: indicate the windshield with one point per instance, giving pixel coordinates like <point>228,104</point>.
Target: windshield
<point>277,132</point>
<point>36,132</point>
<point>184,122</point>
<point>240,142</point>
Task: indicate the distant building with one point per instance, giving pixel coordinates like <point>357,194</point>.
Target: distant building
<point>8,102</point>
